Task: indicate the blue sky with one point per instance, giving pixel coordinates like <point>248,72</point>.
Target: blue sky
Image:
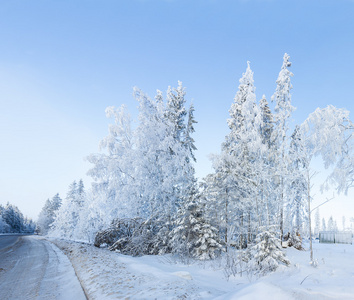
<point>63,62</point>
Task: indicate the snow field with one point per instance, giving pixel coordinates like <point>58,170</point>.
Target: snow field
<point>110,275</point>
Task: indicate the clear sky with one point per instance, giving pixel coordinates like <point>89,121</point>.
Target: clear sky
<point>63,62</point>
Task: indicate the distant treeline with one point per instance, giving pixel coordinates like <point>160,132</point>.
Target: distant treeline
<point>13,221</point>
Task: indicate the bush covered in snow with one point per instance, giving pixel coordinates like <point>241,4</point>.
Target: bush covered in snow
<point>266,254</point>
<point>193,236</point>
<point>135,237</point>
<point>295,241</point>
<point>119,229</point>
<point>146,238</point>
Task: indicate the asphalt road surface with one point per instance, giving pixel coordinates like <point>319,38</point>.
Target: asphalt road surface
<point>33,268</point>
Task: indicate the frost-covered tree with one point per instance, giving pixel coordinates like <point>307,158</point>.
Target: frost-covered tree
<point>44,219</point>
<point>267,122</point>
<point>189,142</point>
<point>193,236</point>
<point>266,254</point>
<point>4,227</point>
<point>235,190</point>
<point>225,183</point>
<point>67,216</point>
<point>13,217</point>
<point>283,111</point>
<point>330,224</point>
<point>80,193</point>
<point>113,171</point>
<point>13,221</point>
<point>268,186</point>
<point>47,215</point>
<point>147,172</point>
<point>331,135</point>
<point>176,111</point>
<point>91,217</point>
<point>296,203</point>
<point>324,227</point>
<point>165,174</point>
<point>328,132</point>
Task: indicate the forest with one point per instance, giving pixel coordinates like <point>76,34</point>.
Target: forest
<point>145,198</point>
<point>13,221</point>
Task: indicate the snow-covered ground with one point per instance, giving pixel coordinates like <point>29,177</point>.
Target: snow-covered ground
<point>110,275</point>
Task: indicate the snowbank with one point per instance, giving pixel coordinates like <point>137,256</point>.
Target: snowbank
<point>110,275</point>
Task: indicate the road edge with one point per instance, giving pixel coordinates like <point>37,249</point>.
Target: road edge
<point>76,274</point>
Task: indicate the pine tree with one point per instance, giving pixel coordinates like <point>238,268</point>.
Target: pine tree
<point>267,184</point>
<point>80,193</point>
<point>266,254</point>
<point>296,203</point>
<point>67,217</point>
<point>165,168</point>
<point>193,236</point>
<point>324,227</point>
<point>330,224</point>
<point>239,169</point>
<point>283,110</point>
<point>267,122</point>
<point>188,140</point>
<point>48,213</point>
<point>55,204</point>
<point>4,227</point>
<point>176,111</point>
<point>44,219</point>
<point>12,216</point>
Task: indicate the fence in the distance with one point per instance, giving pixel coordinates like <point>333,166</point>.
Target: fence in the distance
<point>340,237</point>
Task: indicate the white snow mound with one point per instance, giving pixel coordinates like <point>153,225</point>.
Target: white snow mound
<point>183,274</point>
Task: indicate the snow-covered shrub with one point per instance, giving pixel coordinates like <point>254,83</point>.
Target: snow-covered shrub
<point>234,262</point>
<point>120,228</point>
<point>266,254</point>
<point>193,236</point>
<point>148,237</point>
<point>295,241</point>
<point>107,237</point>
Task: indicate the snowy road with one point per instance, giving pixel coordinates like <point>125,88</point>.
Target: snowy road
<point>33,268</point>
<point>7,240</point>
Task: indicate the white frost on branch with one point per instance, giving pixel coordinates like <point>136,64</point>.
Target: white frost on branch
<point>329,133</point>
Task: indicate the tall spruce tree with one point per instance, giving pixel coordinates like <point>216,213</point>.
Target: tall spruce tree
<point>48,213</point>
<point>283,111</point>
<point>237,179</point>
<point>296,203</point>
